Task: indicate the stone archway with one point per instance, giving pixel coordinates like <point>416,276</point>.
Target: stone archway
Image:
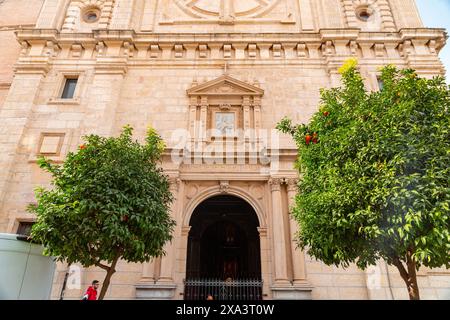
<point>223,188</point>
<point>223,250</point>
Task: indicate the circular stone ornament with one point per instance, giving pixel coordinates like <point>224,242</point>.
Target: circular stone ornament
<point>91,15</point>
<point>364,13</point>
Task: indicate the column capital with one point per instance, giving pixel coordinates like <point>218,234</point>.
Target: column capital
<point>275,184</point>
<point>204,101</point>
<point>246,101</point>
<point>262,232</point>
<point>185,231</point>
<point>174,184</point>
<point>292,184</point>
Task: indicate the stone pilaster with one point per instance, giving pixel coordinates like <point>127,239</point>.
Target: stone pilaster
<point>72,14</point>
<point>279,237</point>
<point>302,287</point>
<point>148,272</point>
<point>16,113</point>
<point>387,18</point>
<point>104,94</point>
<point>122,14</point>
<point>265,258</point>
<point>167,262</point>
<point>298,256</point>
<point>203,120</point>
<point>257,115</point>
<point>246,108</point>
<point>148,16</point>
<point>306,15</point>
<point>50,16</point>
<point>160,286</point>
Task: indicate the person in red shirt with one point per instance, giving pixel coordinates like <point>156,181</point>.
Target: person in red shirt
<point>91,292</point>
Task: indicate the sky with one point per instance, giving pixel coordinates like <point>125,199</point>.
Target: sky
<point>436,14</point>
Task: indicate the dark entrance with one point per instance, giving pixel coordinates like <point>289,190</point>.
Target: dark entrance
<point>223,250</point>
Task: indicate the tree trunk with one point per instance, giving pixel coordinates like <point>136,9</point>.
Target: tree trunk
<point>410,276</point>
<point>413,292</point>
<point>63,289</point>
<point>413,289</point>
<point>109,273</point>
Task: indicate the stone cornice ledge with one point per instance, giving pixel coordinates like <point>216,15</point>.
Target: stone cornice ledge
<point>323,35</point>
<point>422,33</point>
<point>336,34</point>
<point>30,34</point>
<point>33,65</point>
<point>111,65</point>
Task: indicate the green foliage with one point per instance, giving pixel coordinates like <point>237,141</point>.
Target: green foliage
<point>375,183</point>
<point>109,199</point>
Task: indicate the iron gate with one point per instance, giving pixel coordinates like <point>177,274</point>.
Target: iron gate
<point>200,289</point>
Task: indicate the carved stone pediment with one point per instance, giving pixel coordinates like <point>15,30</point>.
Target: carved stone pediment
<point>224,108</point>
<point>225,85</point>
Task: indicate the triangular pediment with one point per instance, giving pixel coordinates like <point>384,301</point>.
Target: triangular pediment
<point>225,85</point>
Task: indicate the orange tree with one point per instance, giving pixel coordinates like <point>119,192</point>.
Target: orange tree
<point>110,201</point>
<point>375,170</point>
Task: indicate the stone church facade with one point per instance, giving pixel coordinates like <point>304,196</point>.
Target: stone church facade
<point>213,77</point>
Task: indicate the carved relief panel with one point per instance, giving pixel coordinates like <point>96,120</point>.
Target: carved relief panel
<point>219,13</point>
<point>224,120</point>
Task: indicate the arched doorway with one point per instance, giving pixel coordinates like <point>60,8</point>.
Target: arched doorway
<point>223,257</point>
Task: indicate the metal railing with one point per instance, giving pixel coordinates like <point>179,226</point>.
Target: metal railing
<point>244,289</point>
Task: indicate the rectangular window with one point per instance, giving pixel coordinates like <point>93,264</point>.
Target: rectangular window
<point>69,88</point>
<point>25,228</point>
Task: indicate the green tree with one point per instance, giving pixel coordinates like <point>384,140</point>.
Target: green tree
<point>375,174</point>
<point>110,200</point>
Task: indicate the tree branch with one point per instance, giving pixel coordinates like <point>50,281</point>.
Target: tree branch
<point>100,265</point>
<point>404,274</point>
<point>97,263</point>
<point>113,265</point>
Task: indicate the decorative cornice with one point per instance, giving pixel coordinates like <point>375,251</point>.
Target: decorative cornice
<point>416,48</point>
<point>248,38</point>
